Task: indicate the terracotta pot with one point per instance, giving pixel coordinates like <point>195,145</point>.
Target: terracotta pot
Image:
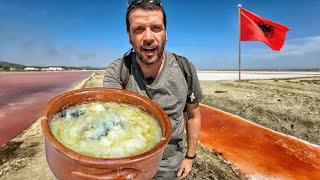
<point>68,164</point>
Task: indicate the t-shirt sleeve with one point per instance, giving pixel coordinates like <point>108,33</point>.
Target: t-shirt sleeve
<point>111,77</point>
<point>196,93</point>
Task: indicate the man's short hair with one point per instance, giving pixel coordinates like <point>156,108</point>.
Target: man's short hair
<point>147,7</point>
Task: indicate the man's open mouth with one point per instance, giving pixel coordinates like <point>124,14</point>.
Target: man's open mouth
<point>149,50</point>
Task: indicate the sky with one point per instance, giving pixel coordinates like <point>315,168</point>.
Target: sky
<point>93,33</point>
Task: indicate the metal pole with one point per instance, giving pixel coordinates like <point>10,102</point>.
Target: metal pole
<point>239,43</point>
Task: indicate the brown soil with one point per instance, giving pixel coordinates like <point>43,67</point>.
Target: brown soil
<point>24,156</point>
<point>285,105</point>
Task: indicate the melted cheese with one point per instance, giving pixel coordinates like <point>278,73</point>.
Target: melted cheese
<point>106,130</point>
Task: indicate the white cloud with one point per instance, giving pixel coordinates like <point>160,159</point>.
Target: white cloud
<point>296,53</point>
<point>299,46</point>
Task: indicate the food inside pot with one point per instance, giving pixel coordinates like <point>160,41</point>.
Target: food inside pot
<point>106,130</point>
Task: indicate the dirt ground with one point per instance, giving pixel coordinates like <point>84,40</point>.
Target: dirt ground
<point>290,106</point>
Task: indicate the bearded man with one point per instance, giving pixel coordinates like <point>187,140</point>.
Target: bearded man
<point>155,73</point>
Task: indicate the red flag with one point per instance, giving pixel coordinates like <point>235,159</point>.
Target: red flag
<point>256,28</point>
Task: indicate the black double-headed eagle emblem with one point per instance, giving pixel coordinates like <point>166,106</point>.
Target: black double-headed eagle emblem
<point>267,29</point>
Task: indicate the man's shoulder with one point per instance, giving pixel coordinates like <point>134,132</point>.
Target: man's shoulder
<point>114,67</point>
<point>178,59</point>
<point>176,56</point>
<point>115,63</point>
<point>173,58</point>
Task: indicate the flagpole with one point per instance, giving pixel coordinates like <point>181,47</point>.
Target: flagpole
<point>239,43</point>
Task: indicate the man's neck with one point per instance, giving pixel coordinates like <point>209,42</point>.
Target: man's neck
<point>151,70</point>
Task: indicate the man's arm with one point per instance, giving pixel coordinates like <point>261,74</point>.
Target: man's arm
<point>193,126</point>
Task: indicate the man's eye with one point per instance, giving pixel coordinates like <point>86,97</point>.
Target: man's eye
<point>156,29</point>
<point>138,30</point>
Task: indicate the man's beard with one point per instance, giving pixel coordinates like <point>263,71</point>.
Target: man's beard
<point>155,59</point>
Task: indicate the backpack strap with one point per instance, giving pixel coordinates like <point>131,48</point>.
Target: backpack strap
<point>185,67</point>
<point>125,70</point>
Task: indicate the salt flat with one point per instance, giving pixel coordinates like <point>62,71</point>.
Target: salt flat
<point>233,75</point>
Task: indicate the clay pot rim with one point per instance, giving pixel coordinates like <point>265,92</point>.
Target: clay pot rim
<point>84,159</point>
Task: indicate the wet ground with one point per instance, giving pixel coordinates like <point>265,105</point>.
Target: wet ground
<point>23,95</point>
<point>255,151</point>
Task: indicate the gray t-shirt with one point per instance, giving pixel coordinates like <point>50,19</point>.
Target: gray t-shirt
<point>170,91</point>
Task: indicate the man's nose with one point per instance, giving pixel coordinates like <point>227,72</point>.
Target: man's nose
<point>148,37</point>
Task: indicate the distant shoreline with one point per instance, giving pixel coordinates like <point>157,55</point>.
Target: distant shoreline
<point>245,75</point>
<point>276,70</point>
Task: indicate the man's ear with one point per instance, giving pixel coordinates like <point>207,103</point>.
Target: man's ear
<point>129,36</point>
